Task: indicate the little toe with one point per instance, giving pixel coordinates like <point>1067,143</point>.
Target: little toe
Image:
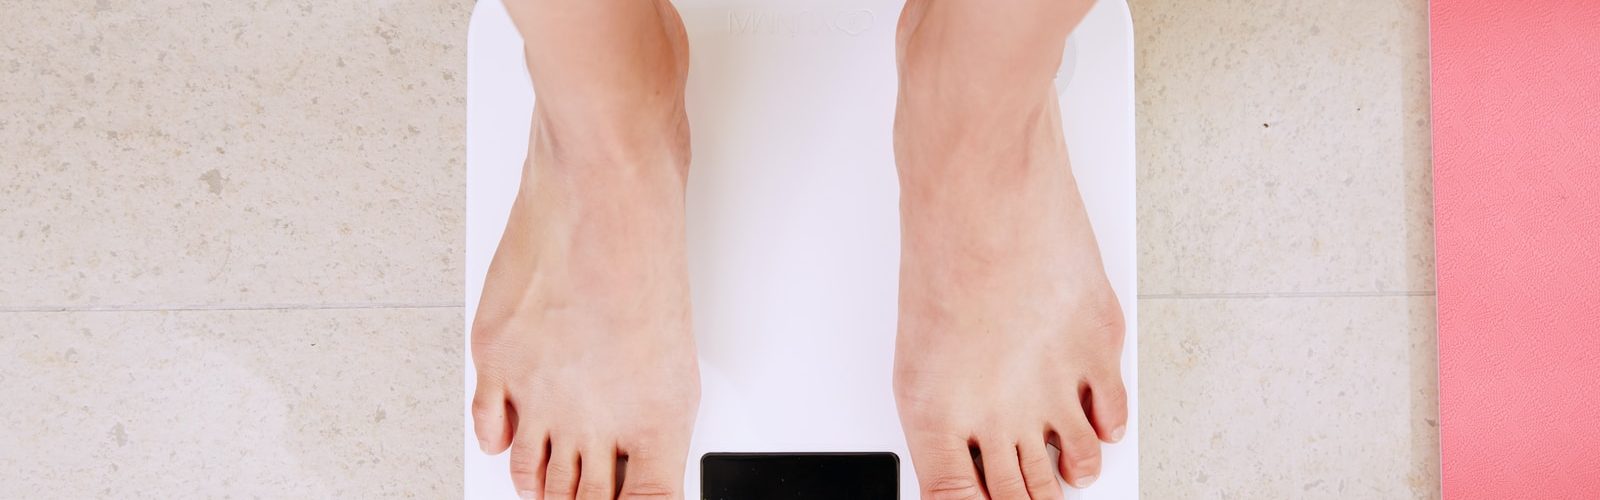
<point>598,473</point>
<point>1108,408</point>
<point>529,452</point>
<point>561,472</point>
<point>946,470</point>
<point>1080,450</point>
<point>1037,470</point>
<point>1002,473</point>
<point>491,417</point>
<point>652,477</point>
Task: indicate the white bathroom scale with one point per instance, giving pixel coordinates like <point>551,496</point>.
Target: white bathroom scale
<point>793,223</point>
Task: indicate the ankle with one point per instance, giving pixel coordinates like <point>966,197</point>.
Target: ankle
<point>647,150</point>
<point>992,157</point>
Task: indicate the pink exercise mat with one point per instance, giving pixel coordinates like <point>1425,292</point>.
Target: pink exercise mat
<point>1516,137</point>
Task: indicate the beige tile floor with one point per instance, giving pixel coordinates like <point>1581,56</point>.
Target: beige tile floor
<point>230,238</point>
<point>1286,250</point>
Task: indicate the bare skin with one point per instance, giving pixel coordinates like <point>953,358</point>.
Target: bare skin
<point>1010,335</point>
<point>582,339</point>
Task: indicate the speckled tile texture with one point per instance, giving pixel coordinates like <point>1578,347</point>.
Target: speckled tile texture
<point>187,152</point>
<point>230,248</point>
<point>231,404</point>
<point>1283,147</point>
<point>1300,398</point>
<point>1286,250</point>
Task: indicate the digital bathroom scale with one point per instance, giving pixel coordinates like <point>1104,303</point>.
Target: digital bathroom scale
<point>793,224</point>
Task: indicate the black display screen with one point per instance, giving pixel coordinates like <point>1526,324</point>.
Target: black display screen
<point>800,476</point>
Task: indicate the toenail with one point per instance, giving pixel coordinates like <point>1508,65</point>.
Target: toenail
<point>526,494</point>
<point>1116,435</point>
<point>483,445</point>
<point>1084,482</point>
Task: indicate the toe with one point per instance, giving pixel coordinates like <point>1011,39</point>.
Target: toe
<point>528,453</point>
<point>598,473</point>
<point>491,417</point>
<point>1002,473</point>
<point>561,473</point>
<point>650,476</point>
<point>1108,408</point>
<point>1080,450</point>
<point>1037,470</point>
<point>945,469</point>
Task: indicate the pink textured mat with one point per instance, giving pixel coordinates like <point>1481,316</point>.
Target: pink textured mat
<point>1516,137</point>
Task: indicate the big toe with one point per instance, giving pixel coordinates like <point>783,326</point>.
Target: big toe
<point>491,417</point>
<point>1108,408</point>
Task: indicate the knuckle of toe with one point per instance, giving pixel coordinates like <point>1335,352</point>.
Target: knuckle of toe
<point>1008,486</point>
<point>1083,448</point>
<point>648,489</point>
<point>560,489</point>
<point>523,469</point>
<point>486,411</point>
<point>952,488</point>
<point>520,470</point>
<point>524,463</point>
<point>1040,471</point>
<point>1117,395</point>
<point>1116,405</point>
<point>1042,484</point>
<point>1086,465</point>
<point>1082,459</point>
<point>1046,490</point>
<point>594,488</point>
<point>561,475</point>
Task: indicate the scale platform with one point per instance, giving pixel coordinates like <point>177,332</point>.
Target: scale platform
<point>793,225</point>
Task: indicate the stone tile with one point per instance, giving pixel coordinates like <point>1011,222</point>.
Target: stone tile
<point>1283,146</point>
<point>225,152</point>
<point>242,404</point>
<point>1301,398</point>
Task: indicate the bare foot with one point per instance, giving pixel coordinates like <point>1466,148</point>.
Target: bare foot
<point>1010,335</point>
<point>582,340</point>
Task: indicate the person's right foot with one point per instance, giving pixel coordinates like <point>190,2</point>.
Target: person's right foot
<point>582,339</point>
<point>1009,335</point>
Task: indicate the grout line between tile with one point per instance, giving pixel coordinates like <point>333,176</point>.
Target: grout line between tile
<point>226,307</point>
<point>1286,295</point>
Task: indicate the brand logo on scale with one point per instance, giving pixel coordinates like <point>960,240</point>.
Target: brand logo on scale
<point>850,22</point>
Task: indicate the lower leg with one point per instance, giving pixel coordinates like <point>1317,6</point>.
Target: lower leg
<point>609,76</point>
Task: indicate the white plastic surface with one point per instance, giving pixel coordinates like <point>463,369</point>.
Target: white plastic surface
<point>793,222</point>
